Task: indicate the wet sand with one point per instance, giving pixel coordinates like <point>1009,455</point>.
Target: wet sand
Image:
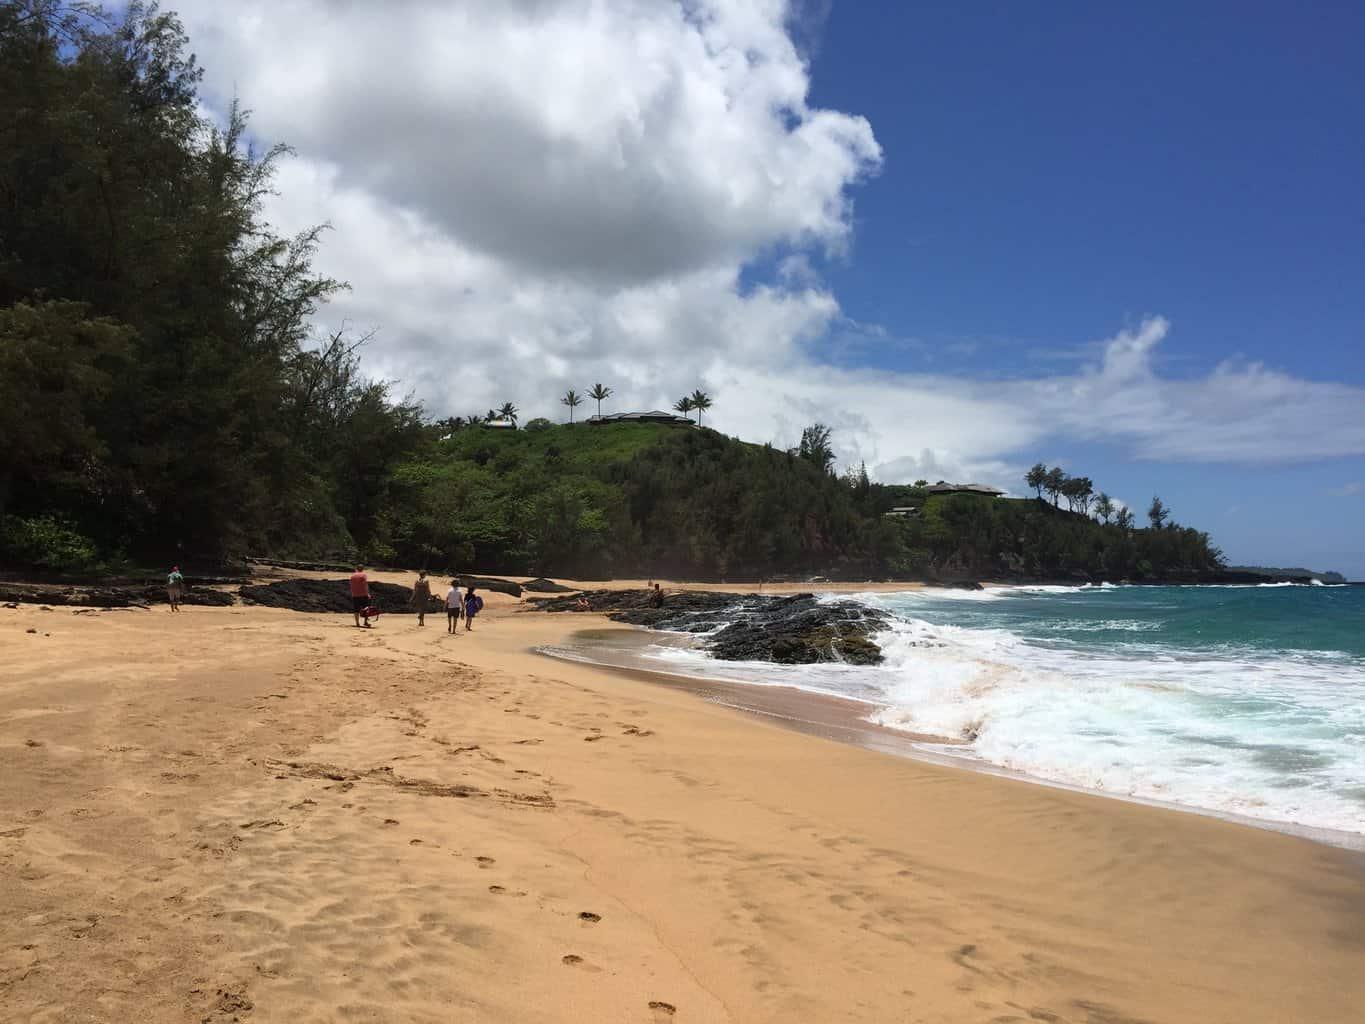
<point>259,815</point>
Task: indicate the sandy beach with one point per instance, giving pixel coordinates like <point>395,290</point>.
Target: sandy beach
<point>246,814</point>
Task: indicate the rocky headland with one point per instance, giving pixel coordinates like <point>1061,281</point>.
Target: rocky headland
<point>799,629</point>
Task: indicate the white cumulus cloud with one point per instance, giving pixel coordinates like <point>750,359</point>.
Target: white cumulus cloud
<point>530,195</point>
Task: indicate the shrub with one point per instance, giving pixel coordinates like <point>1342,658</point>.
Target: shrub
<point>45,542</point>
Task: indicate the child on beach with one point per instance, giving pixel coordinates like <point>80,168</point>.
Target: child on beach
<point>473,604</point>
<point>454,606</point>
<point>175,588</point>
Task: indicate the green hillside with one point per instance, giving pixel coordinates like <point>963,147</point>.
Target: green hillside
<point>653,500</point>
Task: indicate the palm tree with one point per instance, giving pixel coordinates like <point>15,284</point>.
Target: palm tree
<point>599,392</point>
<point>701,401</point>
<point>474,419</point>
<point>508,412</point>
<point>685,405</point>
<point>573,400</point>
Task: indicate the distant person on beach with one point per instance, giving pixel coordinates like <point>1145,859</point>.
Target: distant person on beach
<point>421,597</point>
<point>454,606</point>
<point>175,588</point>
<point>656,599</point>
<point>360,596</point>
<point>584,605</point>
<point>473,604</point>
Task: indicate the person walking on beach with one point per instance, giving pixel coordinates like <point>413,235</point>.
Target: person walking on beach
<point>454,606</point>
<point>421,596</point>
<point>473,604</point>
<point>175,588</point>
<point>360,596</point>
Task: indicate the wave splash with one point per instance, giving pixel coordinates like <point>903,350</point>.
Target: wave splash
<point>1112,695</point>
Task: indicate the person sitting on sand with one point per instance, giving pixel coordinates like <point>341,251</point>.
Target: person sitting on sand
<point>473,604</point>
<point>360,595</point>
<point>454,606</point>
<point>175,588</point>
<point>421,596</point>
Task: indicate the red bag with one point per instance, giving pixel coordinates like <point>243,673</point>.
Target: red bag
<point>370,613</point>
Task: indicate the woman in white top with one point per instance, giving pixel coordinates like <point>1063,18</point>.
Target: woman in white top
<point>454,607</point>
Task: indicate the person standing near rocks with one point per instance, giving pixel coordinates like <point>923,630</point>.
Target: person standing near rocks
<point>454,606</point>
<point>421,596</point>
<point>175,588</point>
<point>360,595</point>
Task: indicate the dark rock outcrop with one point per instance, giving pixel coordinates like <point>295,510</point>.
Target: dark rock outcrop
<point>796,630</point>
<point>491,583</point>
<point>330,596</point>
<point>101,596</point>
<point>540,585</point>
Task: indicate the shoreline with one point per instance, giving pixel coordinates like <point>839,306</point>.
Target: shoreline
<point>840,718</point>
<point>275,816</point>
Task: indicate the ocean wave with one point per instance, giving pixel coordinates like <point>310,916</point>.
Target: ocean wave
<point>1225,727</point>
<point>1282,734</point>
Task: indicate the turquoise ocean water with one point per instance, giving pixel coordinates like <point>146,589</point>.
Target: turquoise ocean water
<point>1237,700</point>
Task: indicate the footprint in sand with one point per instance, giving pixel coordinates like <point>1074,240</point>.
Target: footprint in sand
<point>574,960</point>
<point>485,862</point>
<point>589,917</point>
<point>661,1009</point>
<point>390,822</point>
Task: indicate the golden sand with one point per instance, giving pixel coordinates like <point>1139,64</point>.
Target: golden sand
<point>258,815</point>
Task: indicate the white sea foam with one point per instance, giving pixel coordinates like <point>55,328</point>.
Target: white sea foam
<point>1275,735</point>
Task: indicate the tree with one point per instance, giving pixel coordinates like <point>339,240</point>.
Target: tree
<point>1077,490</point>
<point>815,446</point>
<point>921,483</point>
<point>685,405</point>
<point>1104,507</point>
<point>508,411</point>
<point>1055,483</point>
<point>1124,520</point>
<point>1037,478</point>
<point>701,401</point>
<point>1157,513</point>
<point>599,393</point>
<point>573,400</point>
<point>57,368</point>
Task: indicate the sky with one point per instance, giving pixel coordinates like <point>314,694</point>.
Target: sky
<point>968,237</point>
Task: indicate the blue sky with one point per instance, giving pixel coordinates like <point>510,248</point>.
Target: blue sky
<point>1054,170</point>
<point>968,237</point>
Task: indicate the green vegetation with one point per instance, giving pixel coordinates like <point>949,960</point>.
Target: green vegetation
<point>161,397</point>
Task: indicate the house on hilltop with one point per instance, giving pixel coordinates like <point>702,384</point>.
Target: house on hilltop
<point>946,488</point>
<point>654,416</point>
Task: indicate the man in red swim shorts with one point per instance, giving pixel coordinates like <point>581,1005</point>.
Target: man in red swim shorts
<point>360,595</point>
